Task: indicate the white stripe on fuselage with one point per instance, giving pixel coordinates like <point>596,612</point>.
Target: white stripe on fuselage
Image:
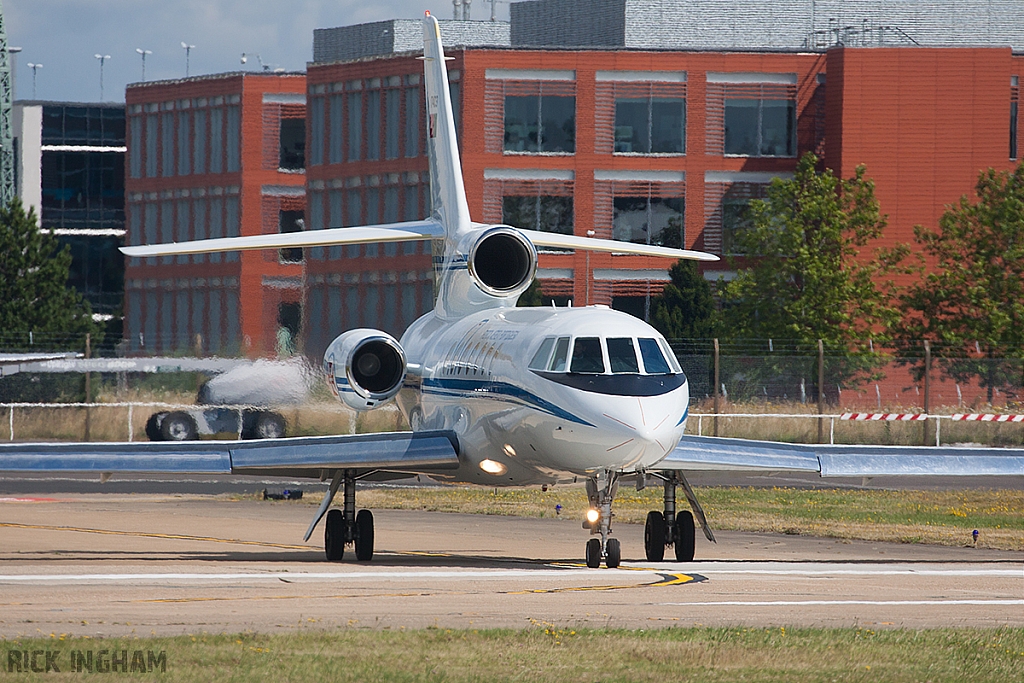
<point>474,380</point>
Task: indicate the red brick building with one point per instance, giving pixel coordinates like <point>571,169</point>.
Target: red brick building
<point>214,156</point>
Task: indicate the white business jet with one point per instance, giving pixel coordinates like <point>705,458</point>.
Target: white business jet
<point>495,394</point>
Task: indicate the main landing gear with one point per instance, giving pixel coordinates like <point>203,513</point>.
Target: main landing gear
<point>671,528</point>
<point>345,526</point>
<point>601,491</point>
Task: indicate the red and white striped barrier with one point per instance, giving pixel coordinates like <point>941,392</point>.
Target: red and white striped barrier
<point>983,417</point>
<point>888,417</point>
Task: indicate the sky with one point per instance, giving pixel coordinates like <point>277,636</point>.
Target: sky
<point>64,35</point>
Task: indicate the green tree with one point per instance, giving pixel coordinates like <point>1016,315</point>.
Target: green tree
<point>971,297</point>
<point>805,276</point>
<point>533,296</point>
<point>34,292</point>
<point>685,309</point>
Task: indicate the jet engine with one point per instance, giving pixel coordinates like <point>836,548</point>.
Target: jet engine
<point>365,368</point>
<point>502,261</point>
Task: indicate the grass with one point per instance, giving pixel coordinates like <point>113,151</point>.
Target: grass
<point>547,652</point>
<point>933,517</point>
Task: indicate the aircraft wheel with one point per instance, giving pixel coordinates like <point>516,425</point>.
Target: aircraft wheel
<point>269,426</point>
<point>179,426</point>
<point>364,536</point>
<point>153,427</point>
<point>685,536</point>
<point>612,553</point>
<point>593,553</point>
<point>654,536</point>
<point>334,536</point>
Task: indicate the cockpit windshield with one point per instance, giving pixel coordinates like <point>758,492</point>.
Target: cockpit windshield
<point>586,356</point>
<point>599,356</point>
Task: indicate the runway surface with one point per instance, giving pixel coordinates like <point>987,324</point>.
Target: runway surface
<point>90,564</point>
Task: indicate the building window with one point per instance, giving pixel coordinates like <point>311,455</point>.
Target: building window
<point>82,189</point>
<point>167,146</point>
<point>1014,103</point>
<point>216,140</point>
<point>412,121</point>
<point>538,212</point>
<point>392,114</point>
<point>292,144</point>
<point>649,220</point>
<point>216,224</point>
<point>199,141</point>
<point>290,221</point>
<point>316,132</point>
<point>135,148</point>
<point>184,143</point>
<point>355,125</point>
<point>735,214</point>
<point>199,226</point>
<point>650,125</point>
<point>231,225</point>
<point>151,135</point>
<point>234,140</point>
<point>540,123</point>
<point>760,128</point>
<point>373,124</point>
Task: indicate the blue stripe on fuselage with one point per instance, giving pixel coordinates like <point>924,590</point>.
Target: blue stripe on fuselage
<point>465,388</point>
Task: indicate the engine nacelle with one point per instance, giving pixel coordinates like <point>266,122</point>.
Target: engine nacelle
<point>502,261</point>
<point>365,368</point>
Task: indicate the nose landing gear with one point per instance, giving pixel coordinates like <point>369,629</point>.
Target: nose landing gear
<point>601,491</point>
<point>672,528</point>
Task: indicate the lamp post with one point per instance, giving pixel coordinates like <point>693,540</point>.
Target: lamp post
<point>188,50</point>
<point>34,67</point>
<point>13,52</point>
<point>143,53</point>
<point>102,58</point>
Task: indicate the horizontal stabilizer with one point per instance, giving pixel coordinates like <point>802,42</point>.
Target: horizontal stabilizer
<point>551,239</point>
<point>708,453</point>
<point>300,456</point>
<point>392,232</point>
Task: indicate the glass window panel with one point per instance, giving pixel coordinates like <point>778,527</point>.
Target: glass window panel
<point>134,318</point>
<point>355,209</point>
<point>559,128</point>
<point>199,226</point>
<point>216,224</point>
<point>231,322</point>
<point>199,141</point>
<point>735,221</point>
<point>149,326</point>
<point>199,313</point>
<point>412,202</point>
<point>1013,130</point>
<point>316,133</point>
<point>540,359</point>
<point>167,146</point>
<point>355,125</point>
<point>166,226</point>
<point>373,124</point>
<point>76,126</point>
<point>631,126</point>
<point>778,124</point>
<point>672,360</point>
<point>560,355</point>
<point>216,321</point>
<point>556,215</point>
<point>151,139</point>
<point>181,234</point>
<point>667,221</point>
<point>622,355</point>
<point>391,205</point>
<point>337,220</point>
<point>352,308</point>
<point>184,143</point>
<point>522,130</point>
<point>392,108</point>
<point>586,356</point>
<point>234,139</point>
<point>149,226</point>
<point>292,138</point>
<point>113,125</point>
<point>741,127</point>
<point>216,140</point>
<point>53,125</point>
<point>630,219</point>
<point>408,304</point>
<point>336,140</point>
<point>316,220</point>
<point>135,148</point>
<point>334,310</point>
<point>668,126</point>
<point>654,361</point>
<point>372,206</point>
<point>412,122</point>
<point>181,320</point>
<point>231,225</point>
<point>371,312</point>
<point>455,89</point>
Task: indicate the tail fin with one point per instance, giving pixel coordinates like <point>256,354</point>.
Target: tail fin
<point>447,188</point>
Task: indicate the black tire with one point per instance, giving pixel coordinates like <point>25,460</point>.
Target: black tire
<point>268,426</point>
<point>613,553</point>
<point>334,536</point>
<point>593,553</point>
<point>153,427</point>
<point>685,536</point>
<point>654,536</point>
<point>364,536</point>
<point>179,426</point>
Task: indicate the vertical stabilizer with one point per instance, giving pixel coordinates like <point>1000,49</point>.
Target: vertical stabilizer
<point>448,192</point>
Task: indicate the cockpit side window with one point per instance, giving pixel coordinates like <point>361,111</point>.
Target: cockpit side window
<point>622,355</point>
<point>586,356</point>
<point>672,360</point>
<point>654,361</point>
<point>540,359</point>
<point>561,354</point>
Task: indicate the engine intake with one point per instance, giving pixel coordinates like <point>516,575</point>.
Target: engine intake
<point>503,261</point>
<point>365,368</point>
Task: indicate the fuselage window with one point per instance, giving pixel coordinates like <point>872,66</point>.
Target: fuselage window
<point>586,356</point>
<point>654,361</point>
<point>561,353</point>
<point>622,355</point>
<point>540,359</point>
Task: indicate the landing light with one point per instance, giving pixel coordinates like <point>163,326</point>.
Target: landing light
<point>492,467</point>
<point>509,451</point>
<point>593,515</point>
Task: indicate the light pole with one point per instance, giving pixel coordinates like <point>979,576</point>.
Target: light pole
<point>102,59</point>
<point>13,52</point>
<point>188,50</point>
<point>143,53</point>
<point>34,67</point>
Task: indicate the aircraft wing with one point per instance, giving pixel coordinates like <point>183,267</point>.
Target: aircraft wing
<point>314,456</point>
<point>551,239</point>
<point>390,232</point>
<point>708,453</point>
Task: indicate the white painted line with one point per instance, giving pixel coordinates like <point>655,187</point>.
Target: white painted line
<point>841,569</point>
<point>861,572</point>
<point>799,603</point>
<point>569,572</point>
